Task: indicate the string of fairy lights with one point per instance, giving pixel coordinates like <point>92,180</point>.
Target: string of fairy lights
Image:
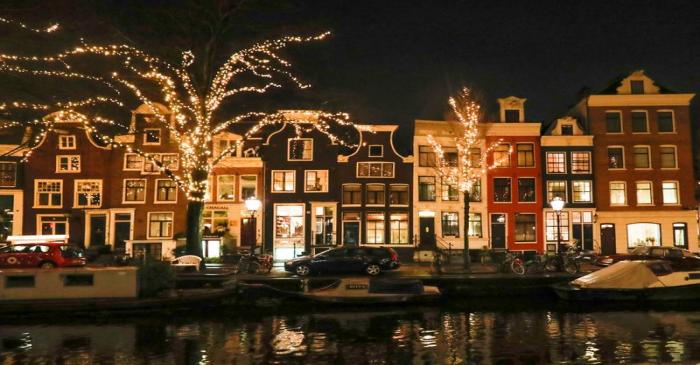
<point>472,161</point>
<point>188,114</point>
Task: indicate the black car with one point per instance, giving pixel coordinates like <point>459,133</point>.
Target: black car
<point>369,260</point>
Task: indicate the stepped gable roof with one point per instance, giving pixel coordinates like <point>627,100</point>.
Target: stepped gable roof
<point>616,82</point>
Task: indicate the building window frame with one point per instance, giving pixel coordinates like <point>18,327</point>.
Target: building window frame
<point>285,180</point>
<point>77,193</point>
<point>323,184</point>
<point>449,224</point>
<point>554,166</point>
<point>231,185</point>
<point>448,192</point>
<point>425,197</point>
<point>622,184</point>
<point>65,221</point>
<point>304,149</point>
<point>650,189</point>
<point>170,227</point>
<point>167,193</point>
<point>510,190</point>
<point>376,226</point>
<point>551,193</point>
<point>69,164</point>
<point>403,192</point>
<point>620,121</point>
<point>474,224</point>
<point>375,155</point>
<point>578,162</point>
<point>527,238</point>
<point>378,196</point>
<point>8,176</point>
<point>140,161</point>
<point>426,156</point>
<point>624,162</point>
<point>676,192</point>
<point>550,220</point>
<point>37,193</point>
<point>146,136</point>
<point>67,142</point>
<point>398,227</point>
<point>646,120</point>
<point>241,186</point>
<point>502,155</point>
<point>521,199</point>
<point>369,170</point>
<point>528,156</point>
<point>673,121</point>
<point>635,154</point>
<point>355,195</point>
<point>675,157</point>
<point>589,184</point>
<point>125,189</point>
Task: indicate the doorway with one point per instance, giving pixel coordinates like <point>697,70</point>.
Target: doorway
<point>607,239</point>
<point>122,230</point>
<point>427,231</point>
<point>680,235</point>
<point>498,231</point>
<point>98,230</point>
<point>351,233</point>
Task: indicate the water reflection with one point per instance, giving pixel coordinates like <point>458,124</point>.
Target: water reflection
<point>399,336</point>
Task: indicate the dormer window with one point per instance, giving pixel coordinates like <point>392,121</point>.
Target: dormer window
<point>151,136</point>
<point>637,86</point>
<point>230,145</point>
<point>66,142</point>
<point>301,149</point>
<point>376,150</point>
<point>512,115</point>
<point>567,130</point>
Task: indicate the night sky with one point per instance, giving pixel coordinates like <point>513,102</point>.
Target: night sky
<point>396,61</point>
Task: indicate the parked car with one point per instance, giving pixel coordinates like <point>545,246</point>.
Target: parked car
<point>368,260</point>
<point>679,258</point>
<point>43,255</point>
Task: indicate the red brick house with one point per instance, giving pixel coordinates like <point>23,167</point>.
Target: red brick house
<point>514,199</point>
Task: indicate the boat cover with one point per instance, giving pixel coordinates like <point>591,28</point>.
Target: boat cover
<point>393,286</point>
<point>621,275</point>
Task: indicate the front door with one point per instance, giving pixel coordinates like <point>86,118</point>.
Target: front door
<point>248,232</point>
<point>607,239</point>
<point>427,231</point>
<point>98,230</point>
<point>498,231</point>
<point>351,233</point>
<point>680,235</point>
<point>122,230</point>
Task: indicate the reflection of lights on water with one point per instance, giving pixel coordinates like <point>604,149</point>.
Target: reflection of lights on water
<point>623,351</point>
<point>428,338</point>
<point>591,352</point>
<point>204,360</point>
<point>288,341</point>
<point>676,350</point>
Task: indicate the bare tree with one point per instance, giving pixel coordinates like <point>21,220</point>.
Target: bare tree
<point>465,170</point>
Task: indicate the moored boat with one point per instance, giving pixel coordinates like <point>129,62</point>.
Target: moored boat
<point>633,281</point>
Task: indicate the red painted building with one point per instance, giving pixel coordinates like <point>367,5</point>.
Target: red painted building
<point>514,197</point>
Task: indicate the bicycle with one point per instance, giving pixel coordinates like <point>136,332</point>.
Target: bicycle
<point>565,260</point>
<point>253,264</point>
<point>520,266</point>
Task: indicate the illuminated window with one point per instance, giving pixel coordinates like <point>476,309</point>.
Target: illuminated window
<point>88,193</point>
<point>451,156</point>
<point>450,224</point>
<point>283,181</point>
<point>551,226</point>
<point>449,192</point>
<point>132,162</point>
<point>135,190</point>
<point>70,163</point>
<point>48,193</point>
<point>526,154</point>
<point>644,193</point>
<point>556,162</point>
<point>618,193</point>
<point>399,228</point>
<point>8,174</point>
<point>641,157</point>
<point>501,155</point>
<point>426,188</point>
<point>670,192</point>
<point>580,162</point>
<point>249,186</point>
<point>556,188</point>
<point>375,228</point>
<point>375,169</point>
<point>316,180</point>
<point>301,149</point>
<point>160,225</point>
<point>426,156</point>
<point>582,191</point>
<point>475,225</point>
<point>668,157</point>
<point>166,191</point>
<point>525,228</point>
<point>226,187</point>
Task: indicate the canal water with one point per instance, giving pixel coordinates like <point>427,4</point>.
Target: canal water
<point>455,334</point>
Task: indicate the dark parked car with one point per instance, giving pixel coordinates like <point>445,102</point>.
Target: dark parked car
<point>680,259</point>
<point>369,260</point>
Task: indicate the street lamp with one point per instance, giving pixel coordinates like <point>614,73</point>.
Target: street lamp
<point>252,204</point>
<point>557,205</point>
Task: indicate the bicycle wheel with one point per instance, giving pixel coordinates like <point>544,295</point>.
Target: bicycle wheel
<point>517,266</point>
<point>572,267</point>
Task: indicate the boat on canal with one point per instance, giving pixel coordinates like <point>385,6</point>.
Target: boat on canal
<point>633,281</point>
<point>360,291</point>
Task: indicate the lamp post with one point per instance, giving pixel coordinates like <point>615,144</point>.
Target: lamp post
<point>557,205</point>
<point>252,204</point>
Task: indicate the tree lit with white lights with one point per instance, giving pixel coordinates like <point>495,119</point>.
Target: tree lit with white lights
<point>194,112</point>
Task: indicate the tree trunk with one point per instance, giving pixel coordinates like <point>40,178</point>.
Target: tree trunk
<point>195,210</point>
<point>467,257</point>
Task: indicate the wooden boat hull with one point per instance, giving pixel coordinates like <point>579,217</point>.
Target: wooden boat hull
<point>674,293</point>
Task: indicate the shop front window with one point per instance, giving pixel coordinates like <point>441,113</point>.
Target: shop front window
<point>643,234</point>
<point>289,221</point>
